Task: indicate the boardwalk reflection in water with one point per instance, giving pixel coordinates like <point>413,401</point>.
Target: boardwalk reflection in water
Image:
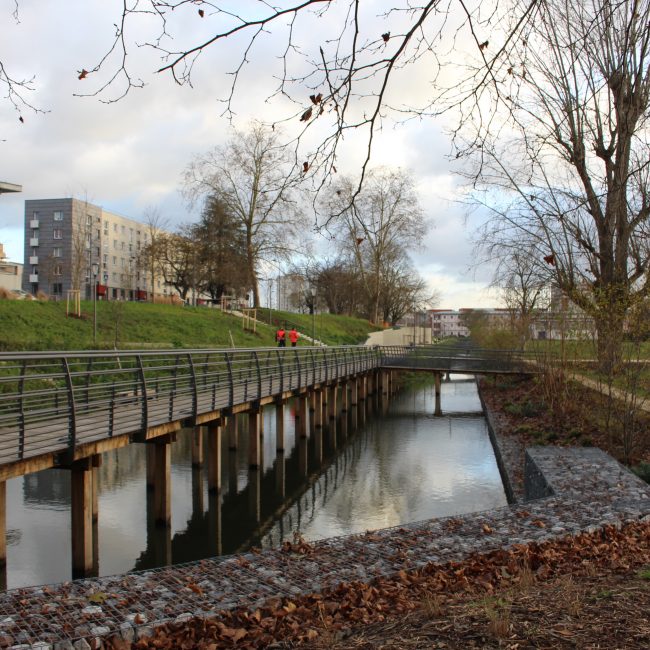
<point>398,466</point>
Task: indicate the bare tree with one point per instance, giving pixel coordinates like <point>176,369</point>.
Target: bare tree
<point>383,221</point>
<point>571,160</point>
<point>150,257</point>
<point>341,65</point>
<point>251,177</point>
<point>524,282</point>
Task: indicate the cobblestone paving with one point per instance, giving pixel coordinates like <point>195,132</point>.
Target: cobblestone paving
<point>588,489</point>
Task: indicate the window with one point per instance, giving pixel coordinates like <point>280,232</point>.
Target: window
<point>34,251</point>
<point>35,215</point>
<point>130,234</point>
<point>123,229</point>
<point>105,259</point>
<point>58,215</point>
<point>114,260</point>
<point>97,234</point>
<point>34,270</point>
<point>89,220</point>
<point>57,289</point>
<point>123,263</point>
<point>58,233</point>
<point>34,232</point>
<point>114,277</point>
<point>56,251</point>
<point>97,252</point>
<point>106,227</point>
<point>115,244</point>
<point>123,245</point>
<point>114,227</point>
<point>130,248</point>
<point>58,269</point>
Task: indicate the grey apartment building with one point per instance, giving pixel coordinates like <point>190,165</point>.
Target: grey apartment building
<point>64,238</point>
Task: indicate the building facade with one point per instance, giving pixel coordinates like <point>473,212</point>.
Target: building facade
<point>67,239</point>
<point>11,273</point>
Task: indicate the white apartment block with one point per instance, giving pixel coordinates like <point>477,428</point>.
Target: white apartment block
<point>447,322</point>
<point>65,238</point>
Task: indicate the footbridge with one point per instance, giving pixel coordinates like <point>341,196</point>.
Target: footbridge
<point>65,409</point>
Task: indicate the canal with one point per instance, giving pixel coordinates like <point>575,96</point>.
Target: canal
<point>381,466</point>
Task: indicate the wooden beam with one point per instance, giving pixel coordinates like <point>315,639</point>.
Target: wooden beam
<point>81,528</point>
<point>279,425</point>
<point>197,446</point>
<point>214,457</point>
<point>254,443</point>
<point>162,488</point>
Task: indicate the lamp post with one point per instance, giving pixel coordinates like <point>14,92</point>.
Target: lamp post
<point>95,269</point>
<point>312,290</point>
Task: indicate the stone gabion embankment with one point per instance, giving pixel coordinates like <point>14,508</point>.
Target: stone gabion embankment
<point>567,491</point>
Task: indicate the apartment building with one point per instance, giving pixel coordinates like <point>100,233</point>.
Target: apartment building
<point>447,322</point>
<point>67,239</point>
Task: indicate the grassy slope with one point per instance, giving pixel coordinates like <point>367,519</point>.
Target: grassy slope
<point>329,328</point>
<point>32,325</point>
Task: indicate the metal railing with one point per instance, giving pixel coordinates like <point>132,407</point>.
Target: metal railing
<point>57,401</point>
<point>457,358</point>
<point>54,402</point>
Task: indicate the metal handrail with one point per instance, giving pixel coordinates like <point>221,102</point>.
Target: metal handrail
<point>57,401</point>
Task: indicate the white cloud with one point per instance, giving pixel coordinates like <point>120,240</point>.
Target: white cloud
<point>129,155</point>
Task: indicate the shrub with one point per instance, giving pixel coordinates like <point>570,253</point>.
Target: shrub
<point>642,470</point>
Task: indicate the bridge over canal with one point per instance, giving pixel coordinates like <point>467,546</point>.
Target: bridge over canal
<point>64,409</point>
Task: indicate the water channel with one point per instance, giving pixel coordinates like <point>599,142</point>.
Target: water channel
<point>395,464</point>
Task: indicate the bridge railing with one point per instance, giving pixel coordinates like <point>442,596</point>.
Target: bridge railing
<point>453,358</point>
<point>52,402</point>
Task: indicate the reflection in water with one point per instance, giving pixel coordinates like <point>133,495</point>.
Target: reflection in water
<point>400,466</point>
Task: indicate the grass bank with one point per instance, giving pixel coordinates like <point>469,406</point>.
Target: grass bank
<point>35,325</point>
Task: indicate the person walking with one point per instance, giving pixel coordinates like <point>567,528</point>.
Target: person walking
<point>293,337</point>
<point>281,337</point>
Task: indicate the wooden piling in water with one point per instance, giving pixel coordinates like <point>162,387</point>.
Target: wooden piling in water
<point>254,456</point>
<point>81,481</point>
<point>197,446</point>
<point>214,456</point>
<point>279,425</point>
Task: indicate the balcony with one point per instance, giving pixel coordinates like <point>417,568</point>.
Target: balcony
<point>33,223</point>
<point>33,278</point>
<point>33,241</point>
<point>33,259</point>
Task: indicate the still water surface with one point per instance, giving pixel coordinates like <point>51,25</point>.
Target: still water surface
<point>398,465</point>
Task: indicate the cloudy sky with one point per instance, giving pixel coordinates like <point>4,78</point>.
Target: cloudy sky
<point>128,156</point>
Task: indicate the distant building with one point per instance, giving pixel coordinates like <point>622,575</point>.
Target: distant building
<point>65,237</point>
<point>11,273</point>
<point>291,292</point>
<point>447,322</point>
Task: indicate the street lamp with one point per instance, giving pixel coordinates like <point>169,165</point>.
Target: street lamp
<point>312,290</point>
<point>95,269</point>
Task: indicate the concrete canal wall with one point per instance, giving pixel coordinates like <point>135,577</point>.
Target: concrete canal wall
<point>561,491</point>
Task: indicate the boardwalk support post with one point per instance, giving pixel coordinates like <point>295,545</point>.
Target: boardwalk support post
<point>197,446</point>
<point>438,410</point>
<point>214,456</point>
<point>254,443</point>
<point>81,479</point>
<point>279,424</point>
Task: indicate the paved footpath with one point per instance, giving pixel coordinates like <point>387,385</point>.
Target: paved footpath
<point>572,489</point>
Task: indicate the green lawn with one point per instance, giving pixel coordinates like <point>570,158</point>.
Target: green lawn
<point>34,325</point>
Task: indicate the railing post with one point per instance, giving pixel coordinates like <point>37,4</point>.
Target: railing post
<point>145,397</point>
<point>299,369</point>
<point>231,387</point>
<point>195,397</point>
<point>72,415</point>
<point>259,376</point>
<point>281,367</point>
<point>21,402</point>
